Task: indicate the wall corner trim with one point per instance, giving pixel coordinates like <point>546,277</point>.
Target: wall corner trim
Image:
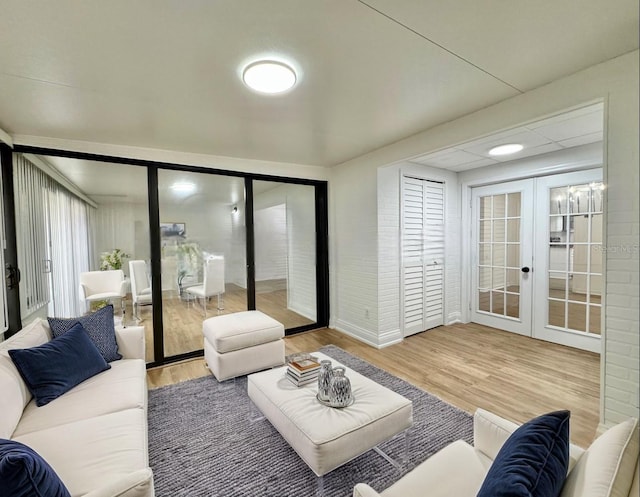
<point>6,138</point>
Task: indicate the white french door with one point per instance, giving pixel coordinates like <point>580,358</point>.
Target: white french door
<point>568,293</point>
<point>537,244</point>
<point>422,281</point>
<point>503,256</point>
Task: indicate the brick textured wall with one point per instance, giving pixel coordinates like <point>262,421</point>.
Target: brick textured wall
<point>354,255</point>
<point>622,303</point>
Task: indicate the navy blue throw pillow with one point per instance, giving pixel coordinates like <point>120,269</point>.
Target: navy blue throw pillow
<point>534,460</point>
<point>55,367</point>
<point>23,473</point>
<point>99,326</point>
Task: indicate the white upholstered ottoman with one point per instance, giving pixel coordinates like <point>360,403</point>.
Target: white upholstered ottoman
<point>326,438</point>
<point>242,343</point>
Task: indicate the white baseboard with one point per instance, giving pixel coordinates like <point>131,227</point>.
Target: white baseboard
<point>387,338</point>
<point>366,336</point>
<point>454,317</point>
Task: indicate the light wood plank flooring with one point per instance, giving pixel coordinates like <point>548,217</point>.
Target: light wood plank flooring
<point>469,366</point>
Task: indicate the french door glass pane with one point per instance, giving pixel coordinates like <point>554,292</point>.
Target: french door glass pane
<point>499,254</point>
<point>497,303</point>
<point>285,252</point>
<point>513,305</point>
<point>499,209</point>
<point>557,313</point>
<point>203,255</point>
<point>484,301</point>
<point>484,255</point>
<point>594,318</point>
<point>513,204</point>
<point>575,257</point>
<point>513,230</point>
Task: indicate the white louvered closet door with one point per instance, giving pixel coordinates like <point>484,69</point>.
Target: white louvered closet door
<point>422,285</point>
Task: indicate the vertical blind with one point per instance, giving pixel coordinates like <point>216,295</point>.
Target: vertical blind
<point>54,241</point>
<point>30,198</point>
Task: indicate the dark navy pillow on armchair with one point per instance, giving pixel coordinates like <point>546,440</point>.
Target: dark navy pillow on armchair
<point>534,460</point>
<point>99,326</point>
<point>23,473</point>
<point>51,369</point>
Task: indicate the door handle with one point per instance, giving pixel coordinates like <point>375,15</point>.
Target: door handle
<point>525,269</point>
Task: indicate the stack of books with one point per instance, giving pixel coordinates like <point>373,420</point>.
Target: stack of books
<point>303,371</point>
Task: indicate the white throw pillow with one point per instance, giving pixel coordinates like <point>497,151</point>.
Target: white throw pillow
<point>607,467</point>
<point>13,391</point>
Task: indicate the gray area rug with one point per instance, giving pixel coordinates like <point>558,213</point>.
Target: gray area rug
<point>202,443</point>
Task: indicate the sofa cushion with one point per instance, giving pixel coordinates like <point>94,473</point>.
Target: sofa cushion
<point>53,368</point>
<point>99,326</point>
<point>534,460</point>
<point>23,473</point>
<point>241,330</point>
<point>95,452</point>
<point>13,391</point>
<point>458,469</point>
<point>607,467</point>
<point>116,389</point>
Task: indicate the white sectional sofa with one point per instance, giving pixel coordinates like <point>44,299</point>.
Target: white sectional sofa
<point>95,435</point>
<point>608,468</point>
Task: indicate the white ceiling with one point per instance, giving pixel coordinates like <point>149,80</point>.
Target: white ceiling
<point>571,129</point>
<point>165,73</point>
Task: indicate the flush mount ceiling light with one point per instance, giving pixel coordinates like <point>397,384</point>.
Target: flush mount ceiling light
<point>183,187</point>
<point>509,148</point>
<point>269,76</point>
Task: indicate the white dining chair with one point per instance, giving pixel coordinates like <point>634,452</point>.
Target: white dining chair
<point>212,284</point>
<point>140,287</point>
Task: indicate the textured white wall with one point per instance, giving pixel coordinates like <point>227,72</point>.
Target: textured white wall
<point>354,255</point>
<point>621,361</point>
<point>270,231</point>
<point>235,270</point>
<point>301,237</point>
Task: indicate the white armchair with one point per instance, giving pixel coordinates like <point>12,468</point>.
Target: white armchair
<point>140,287</point>
<point>608,467</point>
<point>103,285</point>
<point>213,282</point>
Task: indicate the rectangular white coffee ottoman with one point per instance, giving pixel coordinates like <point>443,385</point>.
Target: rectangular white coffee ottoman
<point>324,437</point>
<point>241,343</point>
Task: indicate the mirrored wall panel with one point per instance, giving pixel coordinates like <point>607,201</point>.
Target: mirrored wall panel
<point>80,226</point>
<point>203,253</point>
<point>285,252</point>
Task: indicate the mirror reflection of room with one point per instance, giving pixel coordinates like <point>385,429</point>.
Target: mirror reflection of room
<point>80,224</point>
<point>93,225</point>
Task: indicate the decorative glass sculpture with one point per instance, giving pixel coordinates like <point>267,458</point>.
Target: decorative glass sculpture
<point>340,389</point>
<point>324,379</point>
